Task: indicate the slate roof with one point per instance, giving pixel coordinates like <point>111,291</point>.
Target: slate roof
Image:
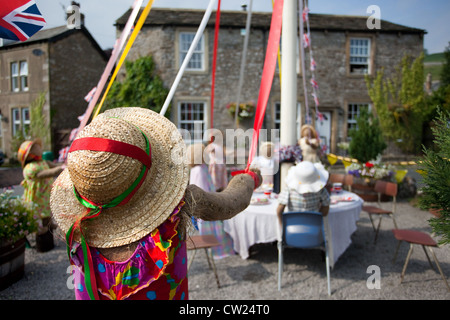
<point>237,19</point>
<point>54,34</point>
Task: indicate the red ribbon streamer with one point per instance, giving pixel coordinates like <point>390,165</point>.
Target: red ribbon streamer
<point>267,76</point>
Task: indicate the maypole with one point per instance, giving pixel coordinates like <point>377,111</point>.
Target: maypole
<point>288,115</point>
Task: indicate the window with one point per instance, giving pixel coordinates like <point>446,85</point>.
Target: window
<point>197,60</point>
<point>15,77</point>
<point>277,116</point>
<point>192,118</point>
<point>359,55</point>
<point>353,113</point>
<point>20,121</point>
<point>19,76</point>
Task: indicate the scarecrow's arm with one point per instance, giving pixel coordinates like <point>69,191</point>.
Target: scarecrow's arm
<point>210,206</point>
<point>48,173</point>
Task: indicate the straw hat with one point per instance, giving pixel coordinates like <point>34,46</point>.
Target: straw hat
<point>307,177</point>
<point>101,176</point>
<point>24,150</point>
<point>310,127</point>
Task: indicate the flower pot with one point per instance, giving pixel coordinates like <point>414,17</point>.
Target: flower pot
<point>12,262</point>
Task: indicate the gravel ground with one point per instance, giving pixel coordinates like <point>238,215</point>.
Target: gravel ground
<point>304,277</point>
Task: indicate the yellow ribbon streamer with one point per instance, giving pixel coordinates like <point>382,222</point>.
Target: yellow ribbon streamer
<point>130,42</point>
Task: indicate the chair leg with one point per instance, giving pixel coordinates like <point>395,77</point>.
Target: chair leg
<point>406,262</point>
<point>327,265</point>
<point>280,263</point>
<point>192,259</point>
<point>395,222</point>
<point>371,220</point>
<point>396,251</point>
<point>212,266</point>
<point>439,267</point>
<point>428,258</point>
<point>378,229</point>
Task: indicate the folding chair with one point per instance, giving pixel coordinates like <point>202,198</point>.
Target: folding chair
<point>383,188</point>
<point>203,242</point>
<point>414,237</point>
<point>303,230</point>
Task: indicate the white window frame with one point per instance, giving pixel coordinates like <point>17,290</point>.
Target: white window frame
<point>19,121</point>
<point>23,73</point>
<point>19,76</point>
<point>15,83</point>
<point>195,136</point>
<point>356,106</point>
<point>197,56</point>
<point>360,52</point>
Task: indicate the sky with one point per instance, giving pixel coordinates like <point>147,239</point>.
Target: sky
<point>432,15</point>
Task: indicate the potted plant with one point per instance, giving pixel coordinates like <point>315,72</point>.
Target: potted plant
<point>246,110</point>
<point>16,222</point>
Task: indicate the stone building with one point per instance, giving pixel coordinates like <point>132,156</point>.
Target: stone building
<point>63,63</point>
<point>345,49</point>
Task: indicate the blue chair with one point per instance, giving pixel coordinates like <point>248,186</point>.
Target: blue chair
<point>302,230</point>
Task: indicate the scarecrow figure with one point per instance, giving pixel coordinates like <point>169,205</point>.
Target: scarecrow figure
<point>38,178</point>
<point>125,206</point>
<point>309,143</point>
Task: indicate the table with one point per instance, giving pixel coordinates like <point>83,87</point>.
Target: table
<point>259,224</point>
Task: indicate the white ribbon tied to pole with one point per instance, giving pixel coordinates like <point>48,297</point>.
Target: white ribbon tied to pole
<point>183,67</point>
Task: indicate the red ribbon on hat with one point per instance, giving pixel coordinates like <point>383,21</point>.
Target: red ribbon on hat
<point>94,209</point>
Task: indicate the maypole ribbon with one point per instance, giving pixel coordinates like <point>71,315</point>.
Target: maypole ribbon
<point>112,61</point>
<point>267,75</point>
<point>189,54</point>
<point>130,43</point>
<point>94,209</point>
<point>213,78</point>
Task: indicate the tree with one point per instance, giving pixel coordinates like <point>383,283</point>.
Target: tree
<point>435,170</point>
<point>400,103</point>
<point>445,72</point>
<point>142,87</point>
<point>39,124</point>
<point>367,141</point>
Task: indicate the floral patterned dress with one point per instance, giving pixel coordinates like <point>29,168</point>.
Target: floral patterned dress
<point>157,270</point>
<point>37,190</point>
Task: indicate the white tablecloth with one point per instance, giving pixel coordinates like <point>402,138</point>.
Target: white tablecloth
<point>259,224</point>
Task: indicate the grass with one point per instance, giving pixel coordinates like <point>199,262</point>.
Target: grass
<point>435,70</point>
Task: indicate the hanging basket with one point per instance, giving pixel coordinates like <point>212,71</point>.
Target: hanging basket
<point>12,262</point>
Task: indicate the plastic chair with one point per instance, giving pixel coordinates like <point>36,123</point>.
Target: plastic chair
<point>383,188</point>
<point>303,230</point>
<point>414,237</point>
<point>203,242</point>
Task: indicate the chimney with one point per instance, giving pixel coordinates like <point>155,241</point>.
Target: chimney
<point>73,11</point>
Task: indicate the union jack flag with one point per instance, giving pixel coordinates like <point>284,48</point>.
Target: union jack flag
<point>305,14</point>
<point>313,65</point>
<point>305,41</point>
<point>19,19</point>
<point>314,84</point>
